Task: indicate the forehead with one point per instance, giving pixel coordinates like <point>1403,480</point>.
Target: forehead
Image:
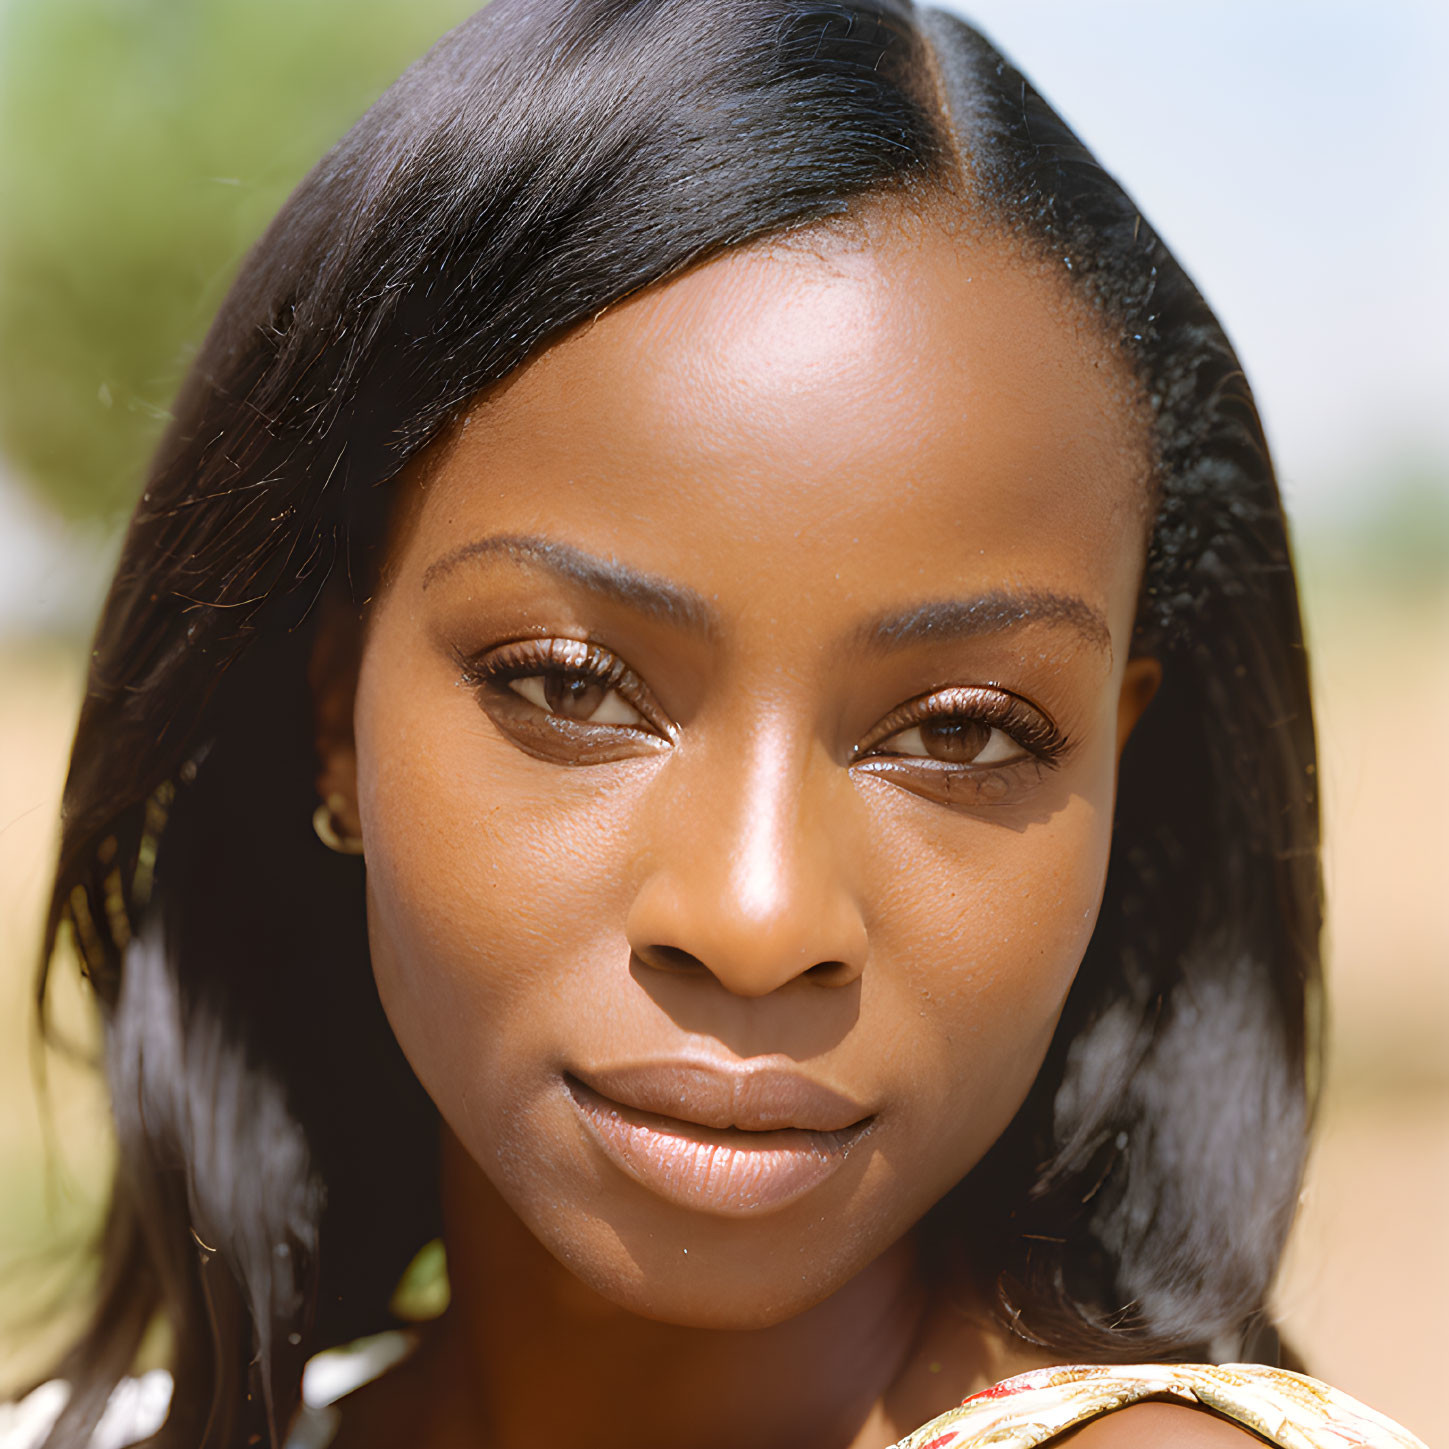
<point>888,403</point>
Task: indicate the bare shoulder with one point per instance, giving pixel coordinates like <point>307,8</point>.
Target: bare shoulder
<point>1158,1426</point>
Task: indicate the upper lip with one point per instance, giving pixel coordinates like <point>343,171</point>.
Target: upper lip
<point>760,1097</point>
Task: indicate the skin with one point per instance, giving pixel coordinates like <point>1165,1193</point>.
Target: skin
<point>742,851</point>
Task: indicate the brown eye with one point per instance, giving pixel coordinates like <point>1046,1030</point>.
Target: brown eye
<point>960,740</point>
<point>580,697</point>
<point>569,695</point>
<point>955,740</point>
<point>966,745</point>
<point>567,701</point>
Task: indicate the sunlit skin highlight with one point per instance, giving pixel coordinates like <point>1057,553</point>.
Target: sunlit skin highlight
<point>746,688</point>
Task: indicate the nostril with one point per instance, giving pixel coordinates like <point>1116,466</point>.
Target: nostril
<point>679,962</point>
<point>671,958</point>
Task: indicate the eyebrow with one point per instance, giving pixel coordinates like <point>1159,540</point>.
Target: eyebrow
<point>939,621</point>
<point>946,620</point>
<point>646,593</point>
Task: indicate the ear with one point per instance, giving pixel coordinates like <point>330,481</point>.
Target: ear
<point>332,674</point>
<point>1139,684</point>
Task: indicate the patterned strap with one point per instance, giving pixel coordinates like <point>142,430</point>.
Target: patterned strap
<point>1287,1409</point>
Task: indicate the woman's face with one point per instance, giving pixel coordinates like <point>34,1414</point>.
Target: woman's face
<point>736,734</point>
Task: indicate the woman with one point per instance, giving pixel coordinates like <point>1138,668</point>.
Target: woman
<point>739,523</point>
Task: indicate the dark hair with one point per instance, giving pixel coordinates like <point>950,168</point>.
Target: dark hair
<point>276,1156</point>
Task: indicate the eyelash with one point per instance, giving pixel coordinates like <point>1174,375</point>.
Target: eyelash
<point>1022,722</point>
<point>574,658</point>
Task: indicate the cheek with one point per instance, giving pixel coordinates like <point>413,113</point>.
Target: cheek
<point>495,905</point>
<point>985,932</point>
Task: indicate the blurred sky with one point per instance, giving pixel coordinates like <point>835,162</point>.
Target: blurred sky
<point>1292,154</point>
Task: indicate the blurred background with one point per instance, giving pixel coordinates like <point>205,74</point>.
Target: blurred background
<point>1292,155</point>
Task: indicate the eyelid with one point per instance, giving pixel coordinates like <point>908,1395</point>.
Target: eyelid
<point>522,658</point>
<point>1026,723</point>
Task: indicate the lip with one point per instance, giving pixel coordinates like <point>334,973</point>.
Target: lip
<point>736,1144</point>
<point>759,1098</point>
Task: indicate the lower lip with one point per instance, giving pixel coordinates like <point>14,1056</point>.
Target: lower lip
<point>731,1173</point>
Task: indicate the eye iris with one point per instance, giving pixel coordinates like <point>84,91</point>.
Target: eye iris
<point>573,695</point>
<point>959,740</point>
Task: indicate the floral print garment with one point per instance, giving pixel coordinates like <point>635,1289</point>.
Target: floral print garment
<point>1287,1409</point>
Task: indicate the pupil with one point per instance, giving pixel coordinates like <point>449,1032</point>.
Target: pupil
<point>573,695</point>
<point>960,740</point>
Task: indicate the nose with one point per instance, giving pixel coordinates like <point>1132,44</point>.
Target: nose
<point>749,875</point>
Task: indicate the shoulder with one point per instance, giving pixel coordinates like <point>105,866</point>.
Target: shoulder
<point>1183,1406</point>
<point>1158,1426</point>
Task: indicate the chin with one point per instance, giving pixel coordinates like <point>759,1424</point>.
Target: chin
<point>735,1289</point>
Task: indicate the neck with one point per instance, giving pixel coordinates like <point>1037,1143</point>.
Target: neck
<point>529,1342</point>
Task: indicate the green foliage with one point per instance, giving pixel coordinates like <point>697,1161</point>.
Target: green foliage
<point>143,146</point>
<point>423,1291</point>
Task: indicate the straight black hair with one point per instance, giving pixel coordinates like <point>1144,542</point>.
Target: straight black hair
<point>276,1164</point>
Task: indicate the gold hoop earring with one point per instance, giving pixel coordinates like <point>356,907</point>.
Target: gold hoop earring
<point>324,822</point>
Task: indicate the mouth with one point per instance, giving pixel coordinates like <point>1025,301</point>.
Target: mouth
<point>721,1168</point>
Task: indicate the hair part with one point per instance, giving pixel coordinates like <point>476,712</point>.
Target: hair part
<point>542,162</point>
